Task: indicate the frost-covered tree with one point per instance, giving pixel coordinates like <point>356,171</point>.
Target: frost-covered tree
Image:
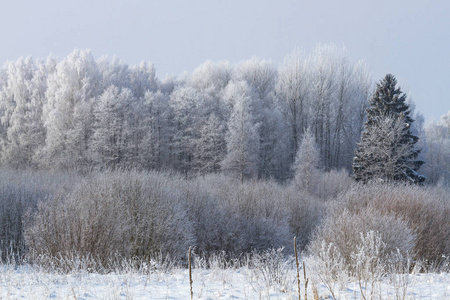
<point>352,90</point>
<point>184,103</point>
<point>306,165</point>
<point>16,103</point>
<point>242,137</point>
<point>210,148</point>
<point>142,79</point>
<point>260,75</point>
<point>116,73</point>
<point>292,89</point>
<point>21,101</point>
<point>326,92</point>
<point>211,115</point>
<point>67,114</point>
<point>108,142</point>
<point>437,150</point>
<point>210,75</point>
<point>154,130</point>
<point>338,91</point>
<point>323,88</point>
<point>387,149</point>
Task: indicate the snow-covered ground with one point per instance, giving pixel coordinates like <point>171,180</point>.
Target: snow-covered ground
<point>242,283</point>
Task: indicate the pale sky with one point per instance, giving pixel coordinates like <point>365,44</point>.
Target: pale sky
<point>408,38</point>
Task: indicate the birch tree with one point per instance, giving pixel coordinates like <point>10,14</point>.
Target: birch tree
<point>67,113</point>
<point>242,137</point>
<point>260,76</point>
<point>292,89</point>
<point>108,142</point>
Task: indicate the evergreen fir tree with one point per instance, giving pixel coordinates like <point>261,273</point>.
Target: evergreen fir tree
<point>387,149</point>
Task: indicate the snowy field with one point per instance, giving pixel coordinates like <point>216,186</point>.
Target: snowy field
<point>242,283</point>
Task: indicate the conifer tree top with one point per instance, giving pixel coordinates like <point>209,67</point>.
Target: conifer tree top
<point>388,101</point>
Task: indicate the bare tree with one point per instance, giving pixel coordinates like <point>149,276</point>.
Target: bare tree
<point>292,89</point>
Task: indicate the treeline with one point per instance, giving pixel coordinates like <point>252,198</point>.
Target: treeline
<point>246,118</point>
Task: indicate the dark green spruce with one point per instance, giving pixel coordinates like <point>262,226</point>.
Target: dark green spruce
<point>387,149</point>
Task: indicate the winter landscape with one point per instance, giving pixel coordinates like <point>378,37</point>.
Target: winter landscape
<point>247,179</point>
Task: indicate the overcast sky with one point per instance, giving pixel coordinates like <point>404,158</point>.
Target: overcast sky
<point>408,38</point>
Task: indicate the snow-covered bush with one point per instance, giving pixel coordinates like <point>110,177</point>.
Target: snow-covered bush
<point>305,213</point>
<point>410,221</point>
<point>424,209</point>
<point>20,191</point>
<point>332,183</point>
<point>346,228</point>
<point>368,261</point>
<point>327,266</point>
<point>236,218</point>
<point>128,214</point>
<point>347,232</point>
<point>14,201</point>
<point>272,266</point>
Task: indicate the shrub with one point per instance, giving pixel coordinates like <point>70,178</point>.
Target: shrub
<point>410,219</point>
<point>131,214</point>
<point>20,191</point>
<point>128,214</point>
<point>424,209</point>
<point>236,218</point>
<point>305,213</point>
<point>342,229</point>
<point>332,183</point>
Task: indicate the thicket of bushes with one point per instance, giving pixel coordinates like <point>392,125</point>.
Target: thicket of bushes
<point>124,214</point>
<point>20,193</point>
<point>130,214</point>
<point>137,214</point>
<point>407,222</point>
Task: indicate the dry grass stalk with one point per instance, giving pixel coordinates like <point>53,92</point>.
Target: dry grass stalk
<point>315,291</point>
<point>190,271</point>
<point>297,263</point>
<point>306,281</point>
